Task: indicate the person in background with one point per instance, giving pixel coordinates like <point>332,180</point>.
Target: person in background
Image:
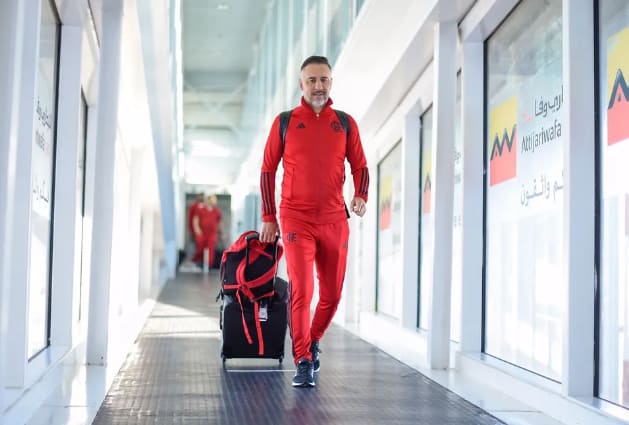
<point>206,224</point>
<point>198,200</point>
<point>313,215</point>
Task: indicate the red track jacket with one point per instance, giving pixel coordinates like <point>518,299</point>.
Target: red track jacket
<point>314,166</point>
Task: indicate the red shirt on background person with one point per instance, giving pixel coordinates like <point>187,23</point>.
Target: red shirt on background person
<point>206,226</point>
<point>199,200</point>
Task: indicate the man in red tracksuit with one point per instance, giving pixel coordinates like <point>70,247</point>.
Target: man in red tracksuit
<point>192,211</point>
<point>313,214</point>
<point>206,224</point>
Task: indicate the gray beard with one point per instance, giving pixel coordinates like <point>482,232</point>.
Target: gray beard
<point>318,103</point>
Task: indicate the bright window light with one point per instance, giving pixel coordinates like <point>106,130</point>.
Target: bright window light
<point>208,148</point>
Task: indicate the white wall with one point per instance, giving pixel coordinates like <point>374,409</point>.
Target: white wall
<point>400,86</point>
<point>134,211</point>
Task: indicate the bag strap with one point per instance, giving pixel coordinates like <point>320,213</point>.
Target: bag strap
<point>256,313</point>
<point>245,328</point>
<point>244,321</point>
<point>344,119</point>
<point>285,119</point>
<point>245,284</point>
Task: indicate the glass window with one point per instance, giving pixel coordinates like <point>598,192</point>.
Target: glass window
<point>359,5</point>
<point>314,35</point>
<point>340,12</point>
<point>42,180</point>
<point>614,201</point>
<point>282,39</point>
<point>457,222</point>
<point>80,196</point>
<point>426,220</point>
<point>296,96</point>
<point>524,289</point>
<point>389,283</point>
<point>260,78</point>
<point>298,20</point>
<point>271,52</point>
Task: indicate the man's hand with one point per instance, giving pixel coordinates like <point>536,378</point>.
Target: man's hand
<point>358,207</point>
<point>269,231</point>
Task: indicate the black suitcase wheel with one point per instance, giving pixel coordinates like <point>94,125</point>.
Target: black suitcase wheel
<point>280,359</point>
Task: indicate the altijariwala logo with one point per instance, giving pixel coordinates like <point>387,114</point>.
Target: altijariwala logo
<point>385,202</point>
<point>426,195</point>
<point>426,173</point>
<point>503,141</point>
<point>617,91</point>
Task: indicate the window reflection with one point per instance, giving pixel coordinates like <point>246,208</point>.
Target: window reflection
<point>457,221</point>
<point>614,239</point>
<point>340,12</point>
<point>389,283</point>
<point>44,145</point>
<point>426,221</point>
<point>524,287</point>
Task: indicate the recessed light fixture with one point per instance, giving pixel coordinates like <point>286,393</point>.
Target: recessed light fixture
<point>222,7</point>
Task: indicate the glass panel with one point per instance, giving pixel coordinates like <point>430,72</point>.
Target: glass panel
<point>272,52</point>
<point>389,283</point>
<point>296,96</point>
<point>283,38</point>
<point>42,179</point>
<point>80,196</point>
<point>284,51</point>
<point>340,12</point>
<point>525,294</point>
<point>260,99</point>
<point>426,221</point>
<point>298,20</point>
<point>614,243</point>
<point>314,33</point>
<point>457,222</point>
<point>359,5</point>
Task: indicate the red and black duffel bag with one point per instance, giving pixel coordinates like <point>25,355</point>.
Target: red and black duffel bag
<point>253,298</point>
<point>250,266</point>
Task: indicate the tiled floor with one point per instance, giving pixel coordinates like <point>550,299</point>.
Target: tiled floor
<point>175,376</point>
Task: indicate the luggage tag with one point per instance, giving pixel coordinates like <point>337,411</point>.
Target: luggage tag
<point>263,313</point>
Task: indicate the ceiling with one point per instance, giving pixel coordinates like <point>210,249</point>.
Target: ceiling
<point>218,44</point>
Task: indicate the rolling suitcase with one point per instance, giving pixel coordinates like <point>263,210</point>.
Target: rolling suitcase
<point>239,319</point>
<point>253,317</point>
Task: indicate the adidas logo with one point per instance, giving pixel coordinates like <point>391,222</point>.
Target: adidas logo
<point>301,125</point>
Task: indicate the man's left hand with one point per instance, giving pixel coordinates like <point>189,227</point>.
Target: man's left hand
<point>358,206</point>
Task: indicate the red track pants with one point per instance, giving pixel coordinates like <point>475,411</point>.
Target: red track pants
<point>326,246</point>
<point>205,241</point>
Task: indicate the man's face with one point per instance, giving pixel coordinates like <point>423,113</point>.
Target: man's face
<point>315,84</point>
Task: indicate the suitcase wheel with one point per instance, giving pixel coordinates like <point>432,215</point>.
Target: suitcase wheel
<point>281,359</point>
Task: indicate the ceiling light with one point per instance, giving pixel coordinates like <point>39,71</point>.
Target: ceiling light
<point>222,7</point>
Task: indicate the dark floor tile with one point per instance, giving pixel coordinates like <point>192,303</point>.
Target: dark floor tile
<point>175,375</point>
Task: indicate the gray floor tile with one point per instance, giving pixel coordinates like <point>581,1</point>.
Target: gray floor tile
<point>175,375</point>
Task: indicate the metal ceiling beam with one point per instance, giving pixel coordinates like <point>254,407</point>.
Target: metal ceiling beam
<point>216,108</point>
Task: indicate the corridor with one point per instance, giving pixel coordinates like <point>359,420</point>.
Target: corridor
<point>174,375</point>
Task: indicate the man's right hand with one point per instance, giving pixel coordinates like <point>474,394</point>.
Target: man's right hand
<point>269,231</point>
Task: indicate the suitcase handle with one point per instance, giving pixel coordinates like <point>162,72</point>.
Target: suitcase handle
<point>256,236</point>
